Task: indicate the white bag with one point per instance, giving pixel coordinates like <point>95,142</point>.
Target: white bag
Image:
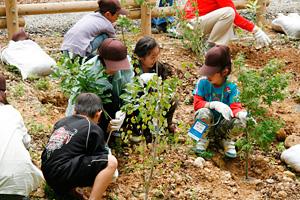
<point>18,175</point>
<point>289,24</point>
<point>291,157</point>
<point>28,57</point>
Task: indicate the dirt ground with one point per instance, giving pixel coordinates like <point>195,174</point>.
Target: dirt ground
<point>175,176</point>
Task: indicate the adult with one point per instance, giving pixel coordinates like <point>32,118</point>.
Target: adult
<point>76,155</point>
<point>18,175</point>
<point>216,18</point>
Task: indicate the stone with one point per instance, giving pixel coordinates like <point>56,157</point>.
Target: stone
<point>158,193</point>
<point>270,181</point>
<point>199,162</point>
<point>282,194</point>
<point>291,140</point>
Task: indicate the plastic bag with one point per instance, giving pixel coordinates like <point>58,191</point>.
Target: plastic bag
<point>289,24</point>
<point>28,57</point>
<point>291,157</point>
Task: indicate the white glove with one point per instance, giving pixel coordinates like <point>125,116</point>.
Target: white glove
<point>242,115</point>
<point>221,108</point>
<point>115,124</point>
<point>261,37</point>
<point>146,77</point>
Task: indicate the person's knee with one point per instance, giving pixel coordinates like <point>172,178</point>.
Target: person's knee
<point>229,12</point>
<point>112,162</point>
<point>205,115</point>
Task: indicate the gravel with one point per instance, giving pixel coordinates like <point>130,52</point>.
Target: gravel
<point>58,24</point>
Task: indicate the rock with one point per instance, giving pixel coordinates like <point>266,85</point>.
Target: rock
<point>158,193</point>
<point>291,140</point>
<point>282,194</point>
<point>270,181</point>
<point>199,162</point>
<point>290,174</point>
<point>234,190</point>
<point>287,179</point>
<point>281,135</point>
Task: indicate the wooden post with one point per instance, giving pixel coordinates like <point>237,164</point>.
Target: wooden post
<point>146,18</point>
<point>260,12</point>
<point>11,17</point>
<point>3,22</point>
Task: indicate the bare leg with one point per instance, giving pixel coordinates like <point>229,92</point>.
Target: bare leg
<point>104,178</point>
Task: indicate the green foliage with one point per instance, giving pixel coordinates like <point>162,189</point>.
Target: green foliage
<point>251,10</point>
<point>193,39</point>
<point>42,84</point>
<point>76,78</point>
<point>19,90</point>
<point>280,147</point>
<point>146,106</point>
<point>143,102</point>
<point>36,128</point>
<point>126,24</point>
<point>259,89</point>
<point>206,155</point>
<point>192,35</point>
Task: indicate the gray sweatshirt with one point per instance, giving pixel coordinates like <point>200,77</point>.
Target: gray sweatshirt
<point>77,40</point>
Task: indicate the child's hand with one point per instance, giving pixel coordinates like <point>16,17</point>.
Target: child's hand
<point>221,108</point>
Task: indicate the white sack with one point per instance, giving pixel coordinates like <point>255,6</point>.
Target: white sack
<point>28,57</point>
<point>291,157</point>
<point>289,24</point>
<point>18,175</point>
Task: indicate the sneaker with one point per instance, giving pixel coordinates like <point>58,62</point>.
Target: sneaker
<point>229,148</point>
<point>201,145</point>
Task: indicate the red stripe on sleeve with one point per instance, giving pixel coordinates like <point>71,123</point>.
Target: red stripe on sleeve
<point>236,107</point>
<point>199,102</point>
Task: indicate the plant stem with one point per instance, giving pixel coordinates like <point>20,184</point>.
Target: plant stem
<point>247,157</point>
<point>154,144</point>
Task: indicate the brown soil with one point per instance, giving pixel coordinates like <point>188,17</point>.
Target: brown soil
<point>175,177</point>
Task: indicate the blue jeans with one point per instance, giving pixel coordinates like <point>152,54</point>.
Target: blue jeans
<point>165,20</point>
<point>95,44</point>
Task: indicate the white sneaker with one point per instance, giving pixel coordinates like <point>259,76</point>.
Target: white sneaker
<point>229,148</point>
<point>201,145</point>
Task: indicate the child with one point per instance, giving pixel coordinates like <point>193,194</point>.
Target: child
<point>84,38</point>
<point>76,155</point>
<point>147,52</point>
<point>216,100</point>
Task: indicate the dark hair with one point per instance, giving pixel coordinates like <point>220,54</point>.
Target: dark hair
<point>3,97</point>
<point>88,104</point>
<point>144,46</point>
<point>106,6</point>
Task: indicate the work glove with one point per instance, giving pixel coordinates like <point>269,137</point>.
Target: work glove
<point>242,116</point>
<point>146,77</point>
<point>261,37</point>
<point>115,124</point>
<point>222,108</point>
